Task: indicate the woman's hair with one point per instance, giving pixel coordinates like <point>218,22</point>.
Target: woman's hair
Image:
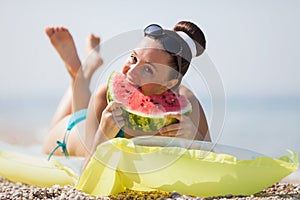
<point>195,33</point>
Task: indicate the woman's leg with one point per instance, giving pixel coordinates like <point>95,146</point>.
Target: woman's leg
<point>63,109</point>
<point>78,94</point>
<point>91,63</point>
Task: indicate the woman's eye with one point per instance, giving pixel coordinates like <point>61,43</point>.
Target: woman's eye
<point>132,59</point>
<point>148,69</point>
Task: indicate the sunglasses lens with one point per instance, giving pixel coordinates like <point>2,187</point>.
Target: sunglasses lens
<point>171,45</point>
<point>154,30</point>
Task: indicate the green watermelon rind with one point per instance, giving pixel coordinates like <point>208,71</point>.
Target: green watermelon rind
<point>139,121</point>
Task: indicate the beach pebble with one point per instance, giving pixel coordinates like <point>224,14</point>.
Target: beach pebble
<point>63,197</point>
<point>175,195</point>
<point>18,191</point>
<point>78,197</point>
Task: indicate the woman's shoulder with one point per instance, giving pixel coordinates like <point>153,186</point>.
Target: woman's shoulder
<point>101,90</point>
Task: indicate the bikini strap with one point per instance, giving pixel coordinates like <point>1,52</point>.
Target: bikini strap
<point>74,120</point>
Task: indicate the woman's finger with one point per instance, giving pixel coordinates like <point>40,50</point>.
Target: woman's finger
<point>170,128</point>
<point>117,112</point>
<point>179,134</point>
<point>175,115</point>
<point>114,105</point>
<point>121,123</point>
<point>118,118</point>
<point>169,134</point>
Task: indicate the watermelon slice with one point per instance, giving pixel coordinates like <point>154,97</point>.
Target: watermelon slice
<point>145,113</point>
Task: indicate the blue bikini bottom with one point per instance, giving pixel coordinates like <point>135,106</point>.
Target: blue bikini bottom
<point>81,115</point>
<point>74,119</point>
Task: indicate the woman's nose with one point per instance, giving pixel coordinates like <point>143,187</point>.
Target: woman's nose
<point>126,68</point>
<point>132,68</point>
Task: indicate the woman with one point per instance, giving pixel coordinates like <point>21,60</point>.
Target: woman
<point>156,65</point>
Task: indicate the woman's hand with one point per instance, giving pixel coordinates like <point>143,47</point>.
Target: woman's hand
<point>185,128</point>
<point>111,120</point>
<point>110,124</point>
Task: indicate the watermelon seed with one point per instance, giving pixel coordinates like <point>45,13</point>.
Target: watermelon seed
<point>163,96</point>
<point>142,104</point>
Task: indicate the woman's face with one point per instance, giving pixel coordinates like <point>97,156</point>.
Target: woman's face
<point>148,68</point>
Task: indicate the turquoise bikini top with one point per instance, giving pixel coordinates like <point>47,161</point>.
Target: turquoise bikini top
<point>120,134</point>
<point>75,119</point>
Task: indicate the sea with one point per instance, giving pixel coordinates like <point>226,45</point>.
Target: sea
<point>269,125</point>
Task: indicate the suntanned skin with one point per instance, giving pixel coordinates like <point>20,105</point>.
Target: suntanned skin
<point>78,94</point>
<point>104,120</point>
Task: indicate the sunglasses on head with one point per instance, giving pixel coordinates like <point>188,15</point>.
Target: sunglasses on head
<point>170,44</point>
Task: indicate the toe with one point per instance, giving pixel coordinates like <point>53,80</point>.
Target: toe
<point>49,31</point>
<point>94,38</point>
<point>63,28</point>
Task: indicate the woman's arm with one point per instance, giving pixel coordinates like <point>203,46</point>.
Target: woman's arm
<point>197,115</point>
<point>103,120</point>
<point>111,119</point>
<point>193,127</point>
<point>96,106</point>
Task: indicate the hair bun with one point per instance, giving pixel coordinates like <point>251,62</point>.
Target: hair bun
<point>194,32</point>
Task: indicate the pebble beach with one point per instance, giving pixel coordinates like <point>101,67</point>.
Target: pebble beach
<point>19,191</point>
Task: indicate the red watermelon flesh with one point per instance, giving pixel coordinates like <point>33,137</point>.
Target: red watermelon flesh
<point>146,112</point>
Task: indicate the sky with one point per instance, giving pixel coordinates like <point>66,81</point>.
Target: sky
<point>252,44</point>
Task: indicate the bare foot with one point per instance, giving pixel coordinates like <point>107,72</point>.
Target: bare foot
<point>64,44</point>
<point>92,58</point>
